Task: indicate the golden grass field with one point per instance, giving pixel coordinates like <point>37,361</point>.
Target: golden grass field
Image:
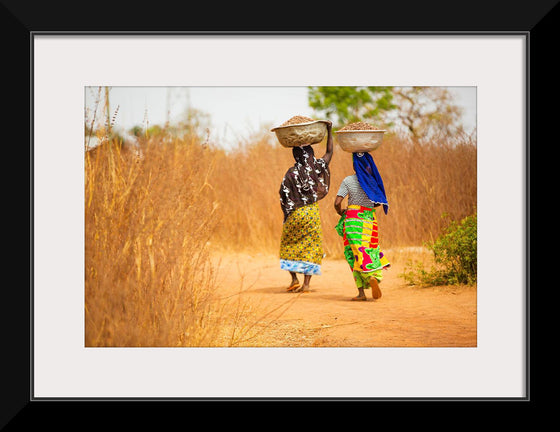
<point>156,226</point>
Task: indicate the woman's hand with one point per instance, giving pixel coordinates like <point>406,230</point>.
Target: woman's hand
<point>338,205</point>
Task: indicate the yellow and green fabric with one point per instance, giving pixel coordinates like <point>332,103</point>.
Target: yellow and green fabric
<point>359,230</point>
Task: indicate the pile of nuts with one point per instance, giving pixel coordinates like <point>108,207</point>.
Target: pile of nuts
<point>297,120</point>
<point>358,126</point>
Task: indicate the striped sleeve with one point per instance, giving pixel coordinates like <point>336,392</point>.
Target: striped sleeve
<point>343,190</point>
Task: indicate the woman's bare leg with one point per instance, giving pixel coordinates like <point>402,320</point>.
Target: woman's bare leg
<point>294,277</point>
<point>305,286</point>
<point>295,282</point>
<point>361,295</point>
<point>306,280</point>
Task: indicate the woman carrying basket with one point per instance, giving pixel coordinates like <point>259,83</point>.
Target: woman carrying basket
<point>358,224</point>
<point>303,185</point>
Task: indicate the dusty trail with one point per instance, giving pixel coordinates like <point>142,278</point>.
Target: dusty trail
<point>405,316</point>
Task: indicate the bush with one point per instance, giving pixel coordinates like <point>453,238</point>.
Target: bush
<point>455,255</point>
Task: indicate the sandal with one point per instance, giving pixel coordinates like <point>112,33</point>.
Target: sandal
<point>363,298</point>
<point>293,286</point>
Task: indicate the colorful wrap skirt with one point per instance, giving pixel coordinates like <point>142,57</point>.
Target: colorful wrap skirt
<point>358,228</point>
<point>301,244</point>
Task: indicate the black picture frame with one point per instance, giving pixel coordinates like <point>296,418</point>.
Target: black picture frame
<point>19,22</point>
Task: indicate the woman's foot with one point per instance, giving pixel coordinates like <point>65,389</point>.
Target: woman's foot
<point>361,295</point>
<point>375,291</point>
<point>303,288</point>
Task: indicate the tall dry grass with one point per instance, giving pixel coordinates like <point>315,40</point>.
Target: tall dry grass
<point>148,278</point>
<point>152,225</point>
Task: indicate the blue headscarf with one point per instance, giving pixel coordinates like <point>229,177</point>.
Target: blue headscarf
<point>370,179</point>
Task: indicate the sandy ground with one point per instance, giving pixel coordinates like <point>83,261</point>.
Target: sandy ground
<point>405,316</point>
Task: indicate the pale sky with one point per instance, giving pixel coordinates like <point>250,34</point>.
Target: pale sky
<point>235,112</point>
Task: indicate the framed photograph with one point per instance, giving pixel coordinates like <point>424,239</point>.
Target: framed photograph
<point>76,353</point>
<point>92,347</point>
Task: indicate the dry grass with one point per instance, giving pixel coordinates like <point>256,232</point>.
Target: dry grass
<point>148,277</point>
<point>152,223</point>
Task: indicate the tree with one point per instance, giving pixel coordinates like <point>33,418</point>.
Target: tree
<point>419,112</point>
<point>352,104</point>
<point>426,111</point>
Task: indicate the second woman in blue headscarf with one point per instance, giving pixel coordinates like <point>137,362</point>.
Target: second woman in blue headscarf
<point>358,224</point>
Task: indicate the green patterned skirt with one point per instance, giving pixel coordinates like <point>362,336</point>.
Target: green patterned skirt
<point>358,228</point>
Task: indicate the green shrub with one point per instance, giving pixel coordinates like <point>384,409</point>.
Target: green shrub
<point>454,254</point>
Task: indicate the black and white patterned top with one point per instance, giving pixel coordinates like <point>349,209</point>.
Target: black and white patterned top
<point>306,182</point>
<point>356,196</point>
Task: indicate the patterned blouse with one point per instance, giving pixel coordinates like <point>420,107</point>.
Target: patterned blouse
<point>351,186</point>
<point>306,182</point>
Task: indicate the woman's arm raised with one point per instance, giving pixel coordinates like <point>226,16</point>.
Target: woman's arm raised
<point>328,154</point>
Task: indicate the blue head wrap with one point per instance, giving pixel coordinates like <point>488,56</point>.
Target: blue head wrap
<point>370,179</point>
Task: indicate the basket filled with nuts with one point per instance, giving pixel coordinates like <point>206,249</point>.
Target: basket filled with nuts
<point>359,137</point>
<point>300,131</point>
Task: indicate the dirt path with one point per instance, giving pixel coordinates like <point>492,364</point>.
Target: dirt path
<point>405,316</point>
